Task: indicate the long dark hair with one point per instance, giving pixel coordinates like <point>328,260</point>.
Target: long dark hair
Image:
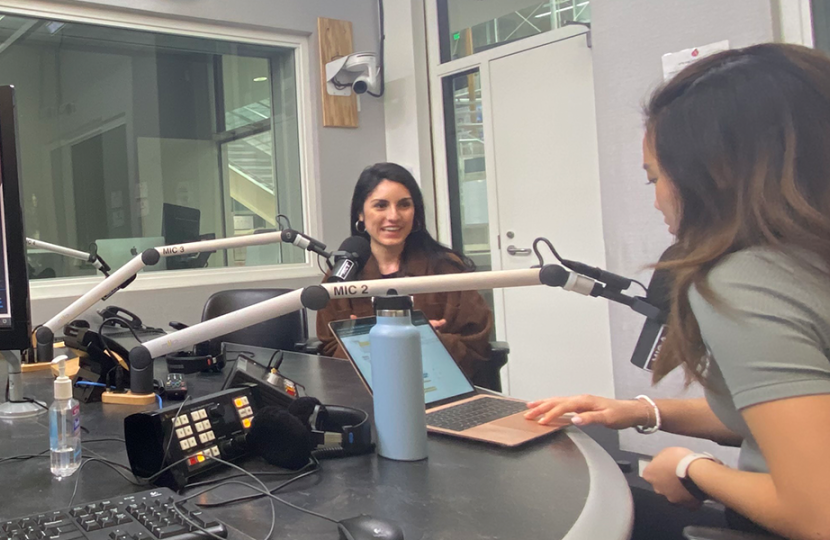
<point>743,137</point>
<point>419,240</point>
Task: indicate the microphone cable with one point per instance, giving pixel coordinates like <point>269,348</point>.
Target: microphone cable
<point>567,264</point>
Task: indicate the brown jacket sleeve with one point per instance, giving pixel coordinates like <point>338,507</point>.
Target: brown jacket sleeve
<point>469,321</point>
<point>334,311</point>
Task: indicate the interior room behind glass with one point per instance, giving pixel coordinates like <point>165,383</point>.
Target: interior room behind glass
<point>123,132</point>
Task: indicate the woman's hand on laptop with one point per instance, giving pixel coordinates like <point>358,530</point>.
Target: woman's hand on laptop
<point>587,409</point>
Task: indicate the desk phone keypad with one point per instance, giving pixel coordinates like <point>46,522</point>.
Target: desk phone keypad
<point>474,413</point>
<point>195,435</point>
<point>148,515</point>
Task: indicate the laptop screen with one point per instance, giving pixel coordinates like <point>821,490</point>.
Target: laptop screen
<point>443,378</point>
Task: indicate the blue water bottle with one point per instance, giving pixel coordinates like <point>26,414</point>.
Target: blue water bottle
<point>398,381</point>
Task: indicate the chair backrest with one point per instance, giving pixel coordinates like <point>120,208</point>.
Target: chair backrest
<point>283,332</point>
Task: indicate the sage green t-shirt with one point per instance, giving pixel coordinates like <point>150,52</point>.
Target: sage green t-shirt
<point>770,341</point>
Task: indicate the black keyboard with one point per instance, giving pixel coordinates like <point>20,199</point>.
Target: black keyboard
<point>474,413</point>
<point>147,515</point>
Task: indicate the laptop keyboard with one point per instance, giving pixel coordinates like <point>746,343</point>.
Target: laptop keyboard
<point>474,413</point>
<point>148,515</point>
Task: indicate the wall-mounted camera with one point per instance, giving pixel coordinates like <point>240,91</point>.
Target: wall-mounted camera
<point>358,71</point>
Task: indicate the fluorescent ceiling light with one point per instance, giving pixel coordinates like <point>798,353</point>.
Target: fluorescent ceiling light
<point>260,79</point>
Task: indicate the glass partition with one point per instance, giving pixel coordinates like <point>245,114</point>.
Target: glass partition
<point>133,139</point>
<point>471,26</point>
<point>821,24</point>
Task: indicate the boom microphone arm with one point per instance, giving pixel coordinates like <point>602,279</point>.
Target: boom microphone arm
<point>92,257</point>
<point>45,334</point>
<point>316,297</point>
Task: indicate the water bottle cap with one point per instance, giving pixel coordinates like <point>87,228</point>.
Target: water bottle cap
<point>392,303</point>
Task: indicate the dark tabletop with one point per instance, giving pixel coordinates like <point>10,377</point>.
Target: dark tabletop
<point>564,486</point>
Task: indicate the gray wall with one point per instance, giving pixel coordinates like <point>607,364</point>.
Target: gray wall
<point>340,153</point>
<point>629,40</point>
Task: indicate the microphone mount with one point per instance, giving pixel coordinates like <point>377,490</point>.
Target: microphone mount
<point>45,334</point>
<point>317,297</point>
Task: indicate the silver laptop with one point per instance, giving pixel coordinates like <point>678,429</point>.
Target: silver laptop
<point>454,406</point>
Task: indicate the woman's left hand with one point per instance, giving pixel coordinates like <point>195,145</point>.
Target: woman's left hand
<point>661,474</point>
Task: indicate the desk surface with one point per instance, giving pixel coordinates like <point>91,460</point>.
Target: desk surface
<point>564,486</point>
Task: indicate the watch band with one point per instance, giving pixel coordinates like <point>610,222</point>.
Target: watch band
<point>682,472</point>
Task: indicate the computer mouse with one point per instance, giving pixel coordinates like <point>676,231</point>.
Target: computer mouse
<point>365,527</point>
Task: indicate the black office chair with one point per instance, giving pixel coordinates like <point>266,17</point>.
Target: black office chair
<point>288,332</point>
<point>489,375</point>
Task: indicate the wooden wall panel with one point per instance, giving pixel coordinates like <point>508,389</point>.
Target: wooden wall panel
<point>335,42</point>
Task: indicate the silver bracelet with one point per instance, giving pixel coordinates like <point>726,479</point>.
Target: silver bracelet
<point>657,423</point>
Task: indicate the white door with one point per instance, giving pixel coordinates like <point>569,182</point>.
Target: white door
<point>546,170</point>
<point>515,150</point>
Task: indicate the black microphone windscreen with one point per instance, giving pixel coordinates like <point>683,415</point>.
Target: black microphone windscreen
<point>653,333</point>
<point>660,286</point>
<point>280,438</point>
<point>359,246</point>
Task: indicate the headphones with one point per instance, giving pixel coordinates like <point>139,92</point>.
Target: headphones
<point>201,358</point>
<point>289,438</point>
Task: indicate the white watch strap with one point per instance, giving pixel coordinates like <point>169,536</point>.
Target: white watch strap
<point>683,465</point>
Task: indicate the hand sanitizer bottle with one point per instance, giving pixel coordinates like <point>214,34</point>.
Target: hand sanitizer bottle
<point>64,425</point>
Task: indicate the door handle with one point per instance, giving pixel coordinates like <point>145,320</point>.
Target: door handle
<point>513,250</point>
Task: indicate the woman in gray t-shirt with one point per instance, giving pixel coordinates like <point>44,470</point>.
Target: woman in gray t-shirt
<point>737,147</point>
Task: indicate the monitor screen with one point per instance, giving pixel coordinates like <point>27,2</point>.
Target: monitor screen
<point>179,224</point>
<point>15,321</point>
<point>442,377</point>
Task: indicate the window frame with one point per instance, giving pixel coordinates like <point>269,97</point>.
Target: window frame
<point>103,16</point>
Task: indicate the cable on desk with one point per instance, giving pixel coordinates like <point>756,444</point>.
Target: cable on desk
<point>170,440</point>
<point>24,399</point>
<point>103,439</point>
<point>112,465</point>
<point>266,492</point>
<point>313,463</point>
<point>24,456</point>
<point>255,473</point>
<point>228,482</point>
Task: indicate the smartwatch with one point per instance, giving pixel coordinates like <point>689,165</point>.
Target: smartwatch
<point>682,472</point>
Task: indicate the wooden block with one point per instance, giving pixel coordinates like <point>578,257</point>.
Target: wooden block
<point>72,367</point>
<point>37,366</point>
<point>335,42</point>
<point>128,398</point>
<point>71,363</point>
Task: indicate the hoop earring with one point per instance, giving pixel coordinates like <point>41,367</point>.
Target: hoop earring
<point>357,226</point>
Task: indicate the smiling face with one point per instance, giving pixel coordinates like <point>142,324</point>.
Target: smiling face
<point>388,213</point>
<point>665,195</point>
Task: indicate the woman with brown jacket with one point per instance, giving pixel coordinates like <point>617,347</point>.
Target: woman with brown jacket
<point>388,209</point>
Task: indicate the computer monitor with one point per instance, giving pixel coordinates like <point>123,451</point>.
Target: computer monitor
<point>179,224</point>
<point>15,318</point>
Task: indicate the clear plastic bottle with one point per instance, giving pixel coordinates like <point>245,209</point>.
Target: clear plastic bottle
<point>64,425</point>
<point>398,381</point>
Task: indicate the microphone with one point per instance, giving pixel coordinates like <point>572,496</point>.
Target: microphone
<point>350,259</point>
<point>654,329</point>
<point>290,236</point>
<point>554,275</point>
<point>610,279</point>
